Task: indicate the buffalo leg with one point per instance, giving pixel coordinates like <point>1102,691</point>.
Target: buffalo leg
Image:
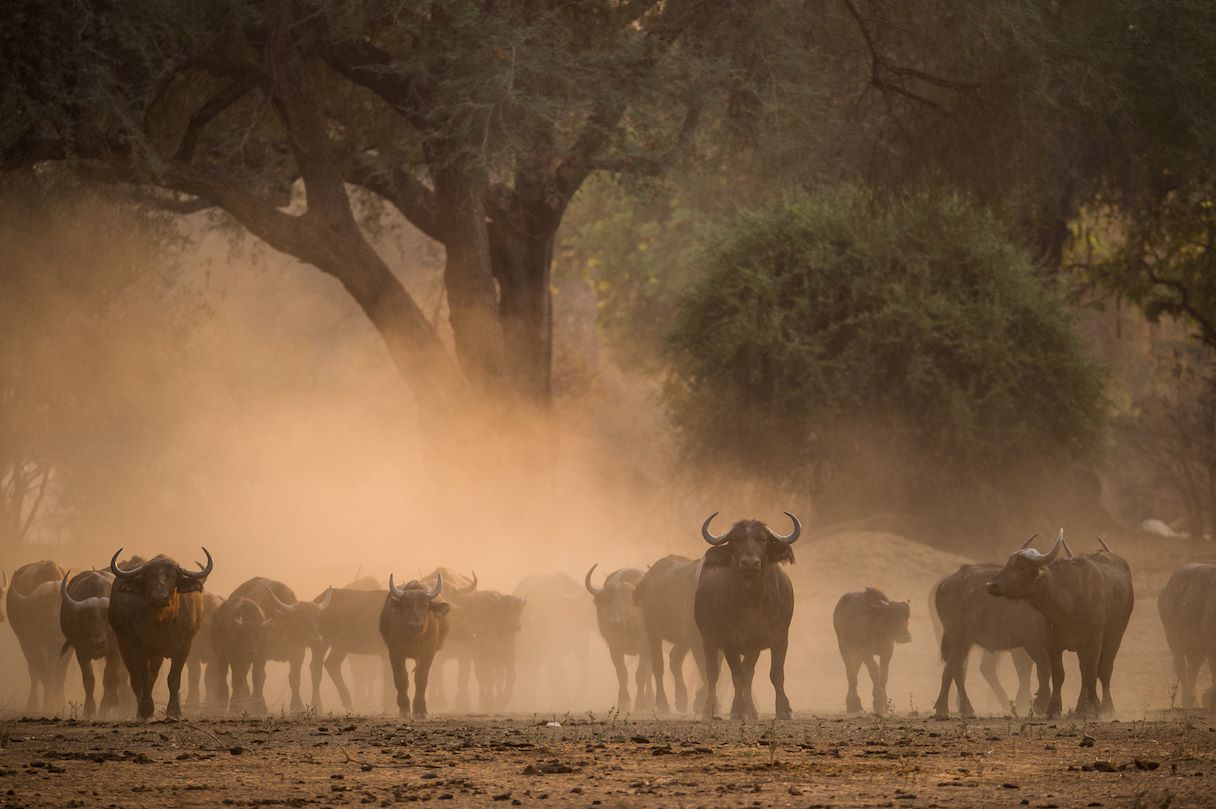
<point>1042,670</point>
<point>463,670</point>
<point>1087,700</point>
<point>111,685</point>
<point>259,685</point>
<point>333,664</point>
<point>138,665</point>
<point>296,665</point>
<point>622,678</point>
<point>675,661</point>
<point>941,708</point>
<point>57,675</point>
<point>776,675</point>
<point>239,701</point>
<point>396,664</point>
<point>749,676</point>
<point>655,644</point>
<point>217,687</point>
<point>1106,668</point>
<point>174,709</point>
<point>643,679</point>
<point>738,679</point>
<point>194,670</point>
<point>880,685</point>
<point>711,679</point>
<point>34,664</point>
<point>315,663</point>
<point>1022,663</point>
<point>90,682</point>
<point>988,668</point>
<point>852,665</point>
<point>875,684</point>
<point>422,676</point>
<point>1186,667</point>
<point>1056,705</point>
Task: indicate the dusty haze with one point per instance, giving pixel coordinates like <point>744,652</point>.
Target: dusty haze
<point>277,434</point>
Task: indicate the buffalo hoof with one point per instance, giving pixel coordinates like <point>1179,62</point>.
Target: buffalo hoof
<point>784,714</point>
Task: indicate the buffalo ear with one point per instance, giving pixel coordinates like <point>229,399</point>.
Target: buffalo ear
<point>779,553</point>
<point>440,607</point>
<point>719,556</point>
<point>185,585</point>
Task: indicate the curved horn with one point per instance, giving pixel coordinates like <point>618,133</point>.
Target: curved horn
<point>119,572</point>
<point>284,606</point>
<point>3,580</point>
<point>587,582</point>
<point>1067,550</point>
<point>1040,559</point>
<point>327,598</point>
<point>393,589</point>
<point>64,595</point>
<point>1030,541</point>
<point>792,536</point>
<point>205,572</point>
<point>708,535</point>
<point>439,585</point>
<point>1105,547</point>
<point>464,591</point>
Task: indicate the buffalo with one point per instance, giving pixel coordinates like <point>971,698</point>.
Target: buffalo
<point>971,616</point>
<point>665,595</point>
<point>33,612</point>
<point>366,670</point>
<point>868,625</point>
<point>555,639</point>
<point>236,645</point>
<point>413,625</point>
<point>291,627</point>
<point>1187,607</point>
<point>84,618</point>
<point>744,604</point>
<point>156,608</point>
<point>624,630</point>
<point>1087,602</point>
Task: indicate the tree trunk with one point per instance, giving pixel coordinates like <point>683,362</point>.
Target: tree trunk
<point>522,261</point>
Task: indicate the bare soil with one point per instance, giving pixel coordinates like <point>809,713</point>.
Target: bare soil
<point>589,761</point>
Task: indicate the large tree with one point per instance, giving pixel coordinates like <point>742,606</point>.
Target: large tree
<point>477,121</point>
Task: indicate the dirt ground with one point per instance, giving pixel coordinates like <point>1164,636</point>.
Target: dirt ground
<point>598,761</point>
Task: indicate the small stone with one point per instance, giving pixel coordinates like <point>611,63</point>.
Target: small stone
<point>1087,741</point>
<point>1146,764</point>
<point>236,750</point>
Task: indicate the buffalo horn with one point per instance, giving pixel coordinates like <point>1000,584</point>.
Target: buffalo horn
<point>439,585</point>
<point>1030,541</point>
<point>792,536</point>
<point>1044,559</point>
<point>119,572</point>
<point>1105,547</point>
<point>587,581</point>
<point>205,572</point>
<point>708,535</point>
<point>393,589</point>
<point>68,601</point>
<point>465,590</point>
<point>327,597</point>
<point>284,606</point>
<point>1067,550</point>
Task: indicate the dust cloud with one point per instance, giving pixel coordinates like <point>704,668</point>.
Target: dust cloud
<point>250,408</point>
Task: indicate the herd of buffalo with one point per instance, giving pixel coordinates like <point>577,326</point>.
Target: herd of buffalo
<point>732,603</point>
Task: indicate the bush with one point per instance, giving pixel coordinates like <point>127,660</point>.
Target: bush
<point>836,346</point>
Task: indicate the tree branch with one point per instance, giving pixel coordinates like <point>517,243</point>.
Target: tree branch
<point>212,108</point>
<point>409,195</point>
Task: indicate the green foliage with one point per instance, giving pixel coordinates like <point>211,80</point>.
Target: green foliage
<point>828,330</point>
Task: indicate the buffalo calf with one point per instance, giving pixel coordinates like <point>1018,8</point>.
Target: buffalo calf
<point>868,625</point>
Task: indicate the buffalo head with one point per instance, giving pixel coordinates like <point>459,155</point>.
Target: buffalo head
<point>749,545</point>
<point>160,578</point>
<point>89,615</point>
<point>412,605</point>
<point>893,616</point>
<point>615,606</point>
<point>301,620</point>
<point>1020,576</point>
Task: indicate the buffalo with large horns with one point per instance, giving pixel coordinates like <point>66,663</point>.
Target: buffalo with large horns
<point>413,624</point>
<point>1087,601</point>
<point>156,609</point>
<point>33,612</point>
<point>744,604</point>
<point>84,618</point>
<point>624,630</point>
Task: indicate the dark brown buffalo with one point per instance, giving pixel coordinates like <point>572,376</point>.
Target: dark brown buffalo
<point>33,612</point>
<point>413,625</point>
<point>1087,602</point>
<point>971,616</point>
<point>1187,607</point>
<point>367,671</point>
<point>156,608</point>
<point>554,644</point>
<point>665,595</point>
<point>623,628</point>
<point>868,625</point>
<point>490,620</point>
<point>292,626</point>
<point>348,626</point>
<point>201,654</point>
<point>84,618</point>
<point>744,604</point>
<point>236,643</point>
